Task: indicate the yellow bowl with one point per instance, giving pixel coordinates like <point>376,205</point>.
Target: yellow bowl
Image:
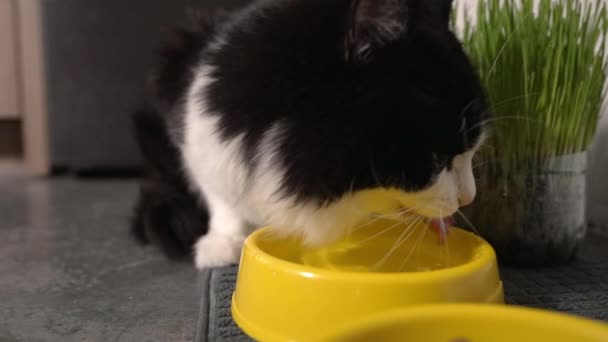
<point>285,292</point>
<point>470,323</point>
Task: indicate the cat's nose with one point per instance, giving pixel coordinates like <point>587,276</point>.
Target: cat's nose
<point>466,198</point>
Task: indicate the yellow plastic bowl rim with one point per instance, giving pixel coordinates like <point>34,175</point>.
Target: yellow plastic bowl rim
<point>483,255</point>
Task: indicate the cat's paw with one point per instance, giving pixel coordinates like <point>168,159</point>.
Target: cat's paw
<point>213,250</point>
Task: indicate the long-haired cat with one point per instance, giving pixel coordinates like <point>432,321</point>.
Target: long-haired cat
<point>282,113</point>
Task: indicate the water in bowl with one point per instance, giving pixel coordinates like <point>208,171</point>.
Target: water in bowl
<point>385,246</point>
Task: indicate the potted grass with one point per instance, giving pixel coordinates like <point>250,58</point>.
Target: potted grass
<point>544,67</point>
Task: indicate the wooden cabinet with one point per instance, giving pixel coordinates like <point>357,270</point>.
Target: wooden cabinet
<point>23,119</point>
<point>9,108</point>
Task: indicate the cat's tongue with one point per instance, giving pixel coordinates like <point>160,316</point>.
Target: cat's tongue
<point>441,226</point>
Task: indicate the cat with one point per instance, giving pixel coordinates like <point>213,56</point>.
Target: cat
<point>283,112</point>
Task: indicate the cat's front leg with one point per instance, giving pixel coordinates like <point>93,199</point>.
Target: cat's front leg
<point>222,245</point>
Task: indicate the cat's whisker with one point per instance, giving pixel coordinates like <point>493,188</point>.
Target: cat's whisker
<point>504,46</point>
<point>478,165</point>
<point>384,231</point>
<point>375,217</point>
<point>468,222</point>
<point>442,226</point>
<point>416,244</point>
<point>360,210</point>
<point>366,223</point>
<point>464,112</point>
<point>512,99</point>
<point>402,238</point>
<point>499,118</point>
<point>446,252</point>
<point>351,187</point>
<point>488,161</point>
<point>493,108</point>
<point>398,214</point>
<point>378,217</point>
<point>395,214</point>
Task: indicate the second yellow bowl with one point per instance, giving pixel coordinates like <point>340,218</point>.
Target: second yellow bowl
<point>470,323</point>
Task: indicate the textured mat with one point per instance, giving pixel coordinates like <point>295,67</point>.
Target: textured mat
<point>580,288</point>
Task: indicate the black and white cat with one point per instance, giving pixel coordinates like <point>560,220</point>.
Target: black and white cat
<point>282,113</point>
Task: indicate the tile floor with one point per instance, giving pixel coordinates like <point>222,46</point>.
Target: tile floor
<point>70,272</point>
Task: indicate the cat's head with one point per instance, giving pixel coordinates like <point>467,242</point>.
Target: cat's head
<point>407,113</point>
<point>427,104</point>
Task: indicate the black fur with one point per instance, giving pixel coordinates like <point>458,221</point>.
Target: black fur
<point>168,214</point>
<point>369,92</point>
<point>182,52</point>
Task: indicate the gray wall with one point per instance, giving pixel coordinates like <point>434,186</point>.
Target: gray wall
<point>98,54</point>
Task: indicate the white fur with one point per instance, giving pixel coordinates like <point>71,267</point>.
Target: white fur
<point>237,196</point>
<point>240,199</point>
<point>217,173</point>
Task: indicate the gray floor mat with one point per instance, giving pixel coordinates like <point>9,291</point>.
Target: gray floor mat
<point>580,288</point>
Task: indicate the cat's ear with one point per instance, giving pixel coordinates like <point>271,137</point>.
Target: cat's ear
<point>437,12</point>
<point>375,23</point>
